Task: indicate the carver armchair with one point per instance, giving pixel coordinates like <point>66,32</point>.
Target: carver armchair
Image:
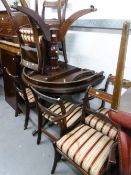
<point>49,108</point>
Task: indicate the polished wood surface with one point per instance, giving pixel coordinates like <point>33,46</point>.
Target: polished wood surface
<point>10,46</point>
<point>8,27</point>
<point>68,79</point>
<point>10,59</point>
<point>120,66</point>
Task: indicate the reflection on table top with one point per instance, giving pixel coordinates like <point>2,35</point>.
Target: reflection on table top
<point>10,46</point>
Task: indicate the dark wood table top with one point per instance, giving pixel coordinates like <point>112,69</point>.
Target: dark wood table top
<point>68,79</point>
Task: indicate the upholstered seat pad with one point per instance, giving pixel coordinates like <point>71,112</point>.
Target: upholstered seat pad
<point>87,147</point>
<point>71,119</point>
<point>27,35</point>
<point>98,124</point>
<point>30,95</point>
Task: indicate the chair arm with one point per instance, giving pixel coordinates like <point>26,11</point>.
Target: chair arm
<point>56,119</point>
<point>121,118</point>
<point>101,116</point>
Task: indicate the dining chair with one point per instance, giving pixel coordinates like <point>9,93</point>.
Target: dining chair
<point>55,23</point>
<point>24,97</point>
<point>49,108</point>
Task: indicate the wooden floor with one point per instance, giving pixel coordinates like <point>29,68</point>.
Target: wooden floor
<point>19,153</point>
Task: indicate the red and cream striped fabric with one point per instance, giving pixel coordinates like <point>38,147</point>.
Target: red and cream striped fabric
<point>71,119</point>
<point>27,35</point>
<point>87,147</point>
<point>30,95</point>
<point>104,127</point>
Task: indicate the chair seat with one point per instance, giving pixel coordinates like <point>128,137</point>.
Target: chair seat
<point>30,95</point>
<point>27,35</point>
<point>104,127</point>
<point>73,118</point>
<point>88,148</point>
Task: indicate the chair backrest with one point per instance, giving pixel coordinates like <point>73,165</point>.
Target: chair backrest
<point>114,99</point>
<point>44,102</point>
<point>18,84</point>
<point>25,3</point>
<point>123,120</point>
<point>33,40</point>
<point>60,7</point>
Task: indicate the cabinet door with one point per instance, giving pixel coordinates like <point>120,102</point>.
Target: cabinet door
<point>10,61</point>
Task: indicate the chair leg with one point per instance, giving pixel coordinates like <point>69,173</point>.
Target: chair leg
<point>57,158</point>
<point>17,111</point>
<point>39,127</point>
<point>43,124</point>
<point>27,117</point>
<point>64,51</point>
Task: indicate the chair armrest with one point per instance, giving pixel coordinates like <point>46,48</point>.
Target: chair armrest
<point>121,118</point>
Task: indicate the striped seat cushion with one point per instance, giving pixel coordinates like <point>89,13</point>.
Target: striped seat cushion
<point>27,35</point>
<point>87,147</point>
<point>30,95</point>
<point>104,127</point>
<point>71,119</point>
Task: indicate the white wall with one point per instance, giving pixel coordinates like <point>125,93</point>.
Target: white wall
<point>97,51</point>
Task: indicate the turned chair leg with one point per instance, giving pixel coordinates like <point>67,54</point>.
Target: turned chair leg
<point>57,158</point>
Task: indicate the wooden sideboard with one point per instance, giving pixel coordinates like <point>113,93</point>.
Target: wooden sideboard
<point>10,24</point>
<point>9,58</point>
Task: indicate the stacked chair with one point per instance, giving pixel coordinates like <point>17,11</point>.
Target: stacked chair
<point>92,147</point>
<point>55,23</point>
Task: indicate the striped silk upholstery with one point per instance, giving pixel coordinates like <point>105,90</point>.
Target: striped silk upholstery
<point>87,147</point>
<point>27,35</point>
<point>104,127</point>
<point>71,119</point>
<point>30,95</point>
